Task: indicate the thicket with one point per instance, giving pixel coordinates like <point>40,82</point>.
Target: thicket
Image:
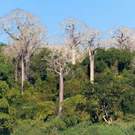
<point>112,95</point>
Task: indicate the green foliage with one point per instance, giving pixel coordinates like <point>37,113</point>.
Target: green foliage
<point>48,86</point>
<point>29,127</point>
<point>4,103</point>
<point>71,103</point>
<point>99,129</point>
<point>118,60</point>
<point>128,102</point>
<point>3,88</point>
<point>35,112</point>
<point>55,123</point>
<point>45,110</point>
<point>38,65</point>
<point>6,68</point>
<point>72,87</point>
<point>74,112</point>
<point>6,119</point>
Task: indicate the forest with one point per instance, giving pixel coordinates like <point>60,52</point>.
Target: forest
<point>83,84</point>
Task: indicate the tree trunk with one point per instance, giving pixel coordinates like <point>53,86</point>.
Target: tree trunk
<point>91,60</point>
<point>73,56</point>
<point>27,66</point>
<point>61,92</point>
<point>26,70</point>
<point>22,75</point>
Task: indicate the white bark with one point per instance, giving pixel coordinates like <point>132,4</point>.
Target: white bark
<point>90,40</point>
<point>58,63</point>
<point>22,75</point>
<point>73,56</point>
<point>61,92</point>
<point>26,35</point>
<point>91,60</point>
<point>73,29</point>
<point>107,121</point>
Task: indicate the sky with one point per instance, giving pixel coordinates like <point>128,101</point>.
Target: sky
<point>100,14</point>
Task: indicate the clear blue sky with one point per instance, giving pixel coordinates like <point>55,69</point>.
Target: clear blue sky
<point>101,14</point>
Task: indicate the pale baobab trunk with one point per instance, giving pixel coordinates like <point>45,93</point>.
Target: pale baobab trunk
<point>73,56</point>
<point>61,92</point>
<point>26,70</point>
<point>91,60</point>
<point>22,75</point>
<point>27,66</point>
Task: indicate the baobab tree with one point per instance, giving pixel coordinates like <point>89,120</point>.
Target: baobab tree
<point>124,38</point>
<point>26,34</point>
<point>73,30</point>
<point>58,63</point>
<point>90,42</point>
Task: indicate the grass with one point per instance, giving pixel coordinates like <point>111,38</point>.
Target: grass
<point>102,129</point>
<point>117,128</point>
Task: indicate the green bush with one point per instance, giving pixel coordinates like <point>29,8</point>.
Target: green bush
<point>3,88</point>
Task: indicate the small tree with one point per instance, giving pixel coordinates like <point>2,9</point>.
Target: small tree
<point>58,63</point>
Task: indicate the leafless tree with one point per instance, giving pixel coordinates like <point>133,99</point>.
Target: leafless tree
<point>124,38</point>
<point>26,34</point>
<point>90,42</point>
<point>58,63</point>
<point>73,29</point>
